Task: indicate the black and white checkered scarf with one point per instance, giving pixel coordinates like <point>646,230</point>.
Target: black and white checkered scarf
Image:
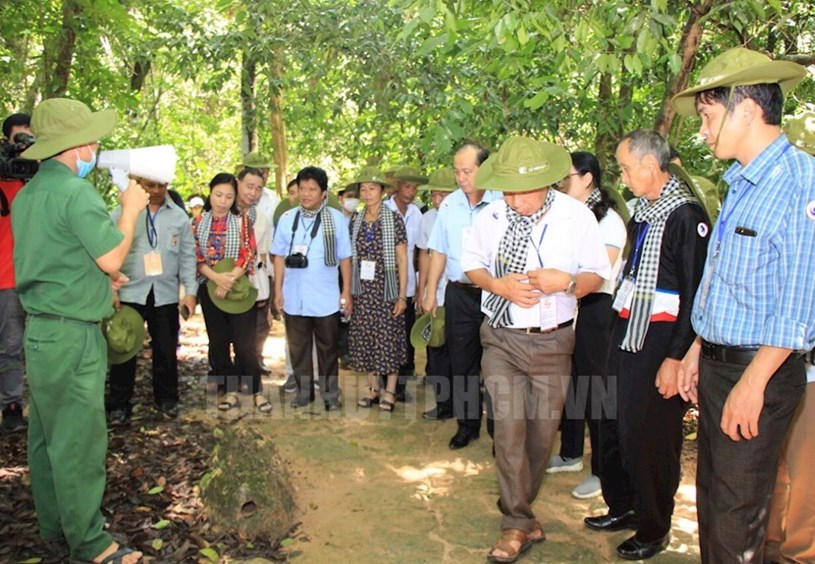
<point>329,231</point>
<point>387,220</point>
<point>234,239</point>
<point>512,254</point>
<point>673,195</point>
<point>594,198</point>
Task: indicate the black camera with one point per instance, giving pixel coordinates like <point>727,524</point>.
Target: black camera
<point>11,165</point>
<point>297,260</point>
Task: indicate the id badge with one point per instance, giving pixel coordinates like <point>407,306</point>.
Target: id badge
<point>367,270</point>
<point>622,294</point>
<point>302,249</point>
<point>152,264</point>
<point>548,312</point>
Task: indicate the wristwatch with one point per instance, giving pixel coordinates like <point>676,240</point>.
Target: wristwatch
<point>572,285</point>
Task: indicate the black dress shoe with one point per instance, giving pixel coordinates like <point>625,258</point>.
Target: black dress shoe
<point>333,405</point>
<point>608,523</point>
<point>461,439</point>
<point>437,414</point>
<point>632,549</point>
<point>167,408</point>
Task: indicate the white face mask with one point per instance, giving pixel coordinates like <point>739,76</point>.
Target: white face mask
<point>350,204</point>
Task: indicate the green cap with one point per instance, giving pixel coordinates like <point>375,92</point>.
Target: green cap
<point>409,174</point>
<point>369,174</point>
<point>739,67</point>
<point>523,164</point>
<point>442,180</point>
<point>800,131</point>
<point>61,123</point>
<point>256,160</point>
<point>428,330</point>
<point>240,298</point>
<point>124,332</point>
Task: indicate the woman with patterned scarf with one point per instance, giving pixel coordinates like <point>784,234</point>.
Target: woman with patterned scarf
<point>221,235</point>
<point>592,331</point>
<point>379,273</point>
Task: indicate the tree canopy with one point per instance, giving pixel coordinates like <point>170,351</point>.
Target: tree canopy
<point>345,83</point>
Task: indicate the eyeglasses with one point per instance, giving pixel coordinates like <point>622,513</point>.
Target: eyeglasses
<point>562,181</point>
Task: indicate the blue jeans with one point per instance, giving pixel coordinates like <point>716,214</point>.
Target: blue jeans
<point>12,325</point>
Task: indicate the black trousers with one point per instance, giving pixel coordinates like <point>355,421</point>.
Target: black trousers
<point>225,329</point>
<point>409,367</point>
<point>586,392</point>
<point>262,326</point>
<point>302,333</point>
<point>641,449</point>
<point>462,325</point>
<point>162,324</point>
<point>735,480</point>
<point>440,377</point>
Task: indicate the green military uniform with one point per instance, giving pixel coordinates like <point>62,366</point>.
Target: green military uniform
<point>60,227</point>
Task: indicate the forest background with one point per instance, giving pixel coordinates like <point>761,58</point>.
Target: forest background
<point>345,83</point>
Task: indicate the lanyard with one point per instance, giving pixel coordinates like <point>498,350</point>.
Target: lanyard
<point>152,234</point>
<point>640,238</point>
<point>540,242</point>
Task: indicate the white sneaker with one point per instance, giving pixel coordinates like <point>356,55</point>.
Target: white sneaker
<point>559,464</point>
<point>588,488</point>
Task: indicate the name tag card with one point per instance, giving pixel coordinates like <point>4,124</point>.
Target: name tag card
<point>623,294</point>
<point>548,312</point>
<point>367,270</point>
<point>152,264</point>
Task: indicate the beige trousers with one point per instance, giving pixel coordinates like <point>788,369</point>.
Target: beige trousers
<point>527,376</point>
<point>791,528</point>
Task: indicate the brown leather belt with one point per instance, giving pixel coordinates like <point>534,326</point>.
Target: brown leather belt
<point>536,330</point>
<point>465,286</point>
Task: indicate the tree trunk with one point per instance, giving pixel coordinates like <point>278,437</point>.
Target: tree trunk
<point>59,59</point>
<point>605,141</point>
<point>249,131</point>
<point>278,122</point>
<point>688,46</point>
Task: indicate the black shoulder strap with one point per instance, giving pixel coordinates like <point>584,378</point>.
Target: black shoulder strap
<point>5,209</point>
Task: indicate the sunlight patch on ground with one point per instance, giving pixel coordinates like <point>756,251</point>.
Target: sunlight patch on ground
<point>435,478</point>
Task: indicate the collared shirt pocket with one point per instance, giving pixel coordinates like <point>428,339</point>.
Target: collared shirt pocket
<point>173,239</point>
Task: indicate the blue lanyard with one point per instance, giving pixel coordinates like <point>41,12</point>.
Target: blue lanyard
<point>540,242</point>
<point>307,229</point>
<point>152,234</point>
<point>640,238</point>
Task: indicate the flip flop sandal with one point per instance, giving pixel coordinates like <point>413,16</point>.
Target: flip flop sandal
<point>230,401</point>
<point>262,404</point>
<point>507,536</point>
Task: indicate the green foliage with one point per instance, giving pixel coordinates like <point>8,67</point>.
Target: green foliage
<point>372,81</point>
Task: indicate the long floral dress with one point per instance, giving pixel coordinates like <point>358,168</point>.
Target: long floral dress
<point>375,338</point>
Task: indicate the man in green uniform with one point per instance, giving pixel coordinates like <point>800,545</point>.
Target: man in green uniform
<point>67,256</point>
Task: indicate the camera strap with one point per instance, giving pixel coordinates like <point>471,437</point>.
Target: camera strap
<point>314,229</point>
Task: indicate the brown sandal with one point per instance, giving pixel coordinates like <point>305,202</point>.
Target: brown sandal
<point>503,544</point>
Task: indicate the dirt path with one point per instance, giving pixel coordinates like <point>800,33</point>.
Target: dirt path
<point>385,487</point>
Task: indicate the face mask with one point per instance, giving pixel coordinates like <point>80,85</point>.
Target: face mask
<point>83,168</point>
<point>350,204</point>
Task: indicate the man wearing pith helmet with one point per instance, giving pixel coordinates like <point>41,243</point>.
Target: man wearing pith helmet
<point>533,254</point>
<point>65,272</point>
<point>755,308</point>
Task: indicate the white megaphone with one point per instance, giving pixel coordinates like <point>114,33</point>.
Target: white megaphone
<point>151,163</point>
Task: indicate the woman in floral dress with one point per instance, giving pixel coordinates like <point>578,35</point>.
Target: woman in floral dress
<point>379,263</point>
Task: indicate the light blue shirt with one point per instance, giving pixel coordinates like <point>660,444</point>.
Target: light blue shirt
<point>175,243</point>
<point>759,279</point>
<point>313,291</point>
<point>456,217</point>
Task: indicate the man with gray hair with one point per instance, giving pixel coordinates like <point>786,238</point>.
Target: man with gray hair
<point>640,448</point>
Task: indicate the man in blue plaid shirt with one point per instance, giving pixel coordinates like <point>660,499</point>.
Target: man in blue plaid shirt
<point>754,311</point>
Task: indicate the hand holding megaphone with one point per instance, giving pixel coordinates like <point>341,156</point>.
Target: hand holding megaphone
<point>151,163</point>
<point>120,178</point>
<point>134,198</point>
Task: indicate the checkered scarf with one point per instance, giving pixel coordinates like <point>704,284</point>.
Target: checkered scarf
<point>236,237</point>
<point>512,254</point>
<point>594,198</point>
<point>674,194</point>
<point>329,231</point>
<point>388,222</point>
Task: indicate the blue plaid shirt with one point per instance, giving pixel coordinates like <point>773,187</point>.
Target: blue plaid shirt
<point>758,287</point>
